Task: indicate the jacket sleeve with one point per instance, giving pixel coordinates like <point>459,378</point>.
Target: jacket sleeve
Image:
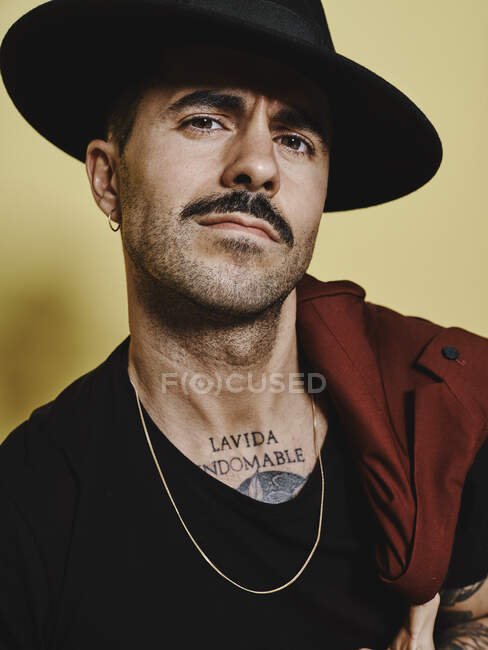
<point>24,590</point>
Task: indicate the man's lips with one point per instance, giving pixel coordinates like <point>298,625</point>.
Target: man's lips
<point>237,226</point>
<point>251,226</point>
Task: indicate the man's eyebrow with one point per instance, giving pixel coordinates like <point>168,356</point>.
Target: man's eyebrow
<point>300,120</point>
<point>211,99</point>
<point>208,99</point>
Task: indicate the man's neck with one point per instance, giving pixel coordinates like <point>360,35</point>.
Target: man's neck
<point>179,353</point>
<point>226,392</point>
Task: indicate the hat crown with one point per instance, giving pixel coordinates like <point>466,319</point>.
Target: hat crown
<point>313,11</point>
<point>302,19</point>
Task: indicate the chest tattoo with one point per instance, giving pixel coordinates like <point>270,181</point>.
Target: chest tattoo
<point>257,455</point>
<point>272,486</point>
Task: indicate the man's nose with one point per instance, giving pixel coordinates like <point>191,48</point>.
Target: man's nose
<point>251,160</point>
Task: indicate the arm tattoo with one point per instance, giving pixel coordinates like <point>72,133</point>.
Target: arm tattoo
<point>456,617</point>
<point>466,636</point>
<point>451,596</point>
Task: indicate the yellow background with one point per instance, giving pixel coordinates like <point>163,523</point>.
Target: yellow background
<point>62,288</point>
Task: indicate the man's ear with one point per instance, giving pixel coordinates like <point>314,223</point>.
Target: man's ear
<point>101,157</point>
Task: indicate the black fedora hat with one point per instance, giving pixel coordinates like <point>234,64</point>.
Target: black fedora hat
<point>383,147</point>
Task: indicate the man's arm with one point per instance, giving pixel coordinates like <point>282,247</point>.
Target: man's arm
<point>462,619</point>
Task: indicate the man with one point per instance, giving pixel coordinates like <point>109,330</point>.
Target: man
<point>177,491</point>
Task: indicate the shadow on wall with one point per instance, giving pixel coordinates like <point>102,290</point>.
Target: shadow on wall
<point>39,350</point>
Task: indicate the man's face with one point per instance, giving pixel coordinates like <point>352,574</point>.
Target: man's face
<point>223,135</point>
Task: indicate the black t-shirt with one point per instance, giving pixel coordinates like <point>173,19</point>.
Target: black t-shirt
<point>93,554</point>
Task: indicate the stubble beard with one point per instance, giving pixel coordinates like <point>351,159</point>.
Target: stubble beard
<point>235,288</point>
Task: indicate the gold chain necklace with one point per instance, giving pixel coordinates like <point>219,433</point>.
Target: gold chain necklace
<point>253,591</point>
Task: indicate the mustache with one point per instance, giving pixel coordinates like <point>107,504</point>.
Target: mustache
<point>241,201</point>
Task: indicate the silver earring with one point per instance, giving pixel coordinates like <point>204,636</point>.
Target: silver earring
<point>110,222</point>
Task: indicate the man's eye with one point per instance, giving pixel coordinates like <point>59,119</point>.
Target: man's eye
<point>202,123</point>
<point>299,145</point>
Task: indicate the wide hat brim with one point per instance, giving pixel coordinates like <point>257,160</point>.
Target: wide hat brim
<point>383,146</point>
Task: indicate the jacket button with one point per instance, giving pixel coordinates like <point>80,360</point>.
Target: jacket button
<point>450,352</point>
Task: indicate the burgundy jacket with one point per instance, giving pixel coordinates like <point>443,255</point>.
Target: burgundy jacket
<point>413,397</point>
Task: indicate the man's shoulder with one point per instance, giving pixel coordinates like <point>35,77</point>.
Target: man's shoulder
<point>402,344</point>
<point>385,320</point>
<point>438,348</point>
<point>423,332</point>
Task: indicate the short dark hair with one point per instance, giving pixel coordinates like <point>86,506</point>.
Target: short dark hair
<point>122,115</point>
